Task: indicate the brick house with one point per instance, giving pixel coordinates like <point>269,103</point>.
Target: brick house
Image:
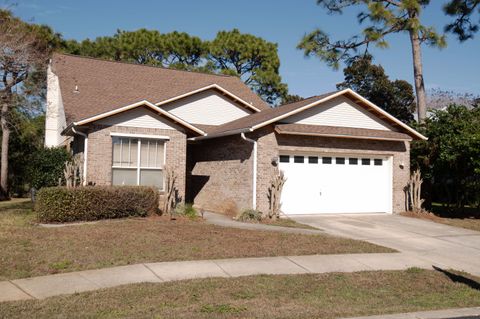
<point>339,152</point>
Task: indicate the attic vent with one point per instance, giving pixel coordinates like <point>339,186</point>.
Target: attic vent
<point>76,89</point>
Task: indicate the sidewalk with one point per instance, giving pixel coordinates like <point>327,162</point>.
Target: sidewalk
<point>69,283</point>
<point>460,313</point>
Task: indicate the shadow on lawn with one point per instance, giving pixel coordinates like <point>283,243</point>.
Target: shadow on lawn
<point>16,205</point>
<point>452,212</point>
<point>459,278</point>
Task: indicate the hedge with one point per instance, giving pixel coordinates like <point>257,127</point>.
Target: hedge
<point>61,204</point>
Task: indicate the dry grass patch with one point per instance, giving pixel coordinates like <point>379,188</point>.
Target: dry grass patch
<point>27,249</point>
<point>287,296</point>
<point>467,222</point>
<point>287,222</point>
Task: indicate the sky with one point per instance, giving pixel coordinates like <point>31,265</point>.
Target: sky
<point>455,68</point>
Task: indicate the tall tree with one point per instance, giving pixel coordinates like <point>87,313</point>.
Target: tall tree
<point>291,98</point>
<point>462,10</point>
<point>252,58</point>
<point>369,80</point>
<point>23,55</point>
<point>439,99</point>
<point>450,159</point>
<point>385,17</point>
<point>27,140</point>
<point>143,46</point>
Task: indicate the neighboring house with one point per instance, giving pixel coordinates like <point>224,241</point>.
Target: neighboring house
<point>340,153</point>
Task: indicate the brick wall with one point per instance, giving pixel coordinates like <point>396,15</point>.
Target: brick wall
<point>270,143</point>
<point>99,168</point>
<point>220,174</point>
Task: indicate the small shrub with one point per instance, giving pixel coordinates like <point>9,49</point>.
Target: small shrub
<point>186,210</point>
<point>61,204</point>
<point>250,215</point>
<point>46,167</point>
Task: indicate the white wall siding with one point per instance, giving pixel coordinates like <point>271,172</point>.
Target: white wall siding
<point>55,120</point>
<point>339,111</point>
<point>138,117</point>
<point>208,107</point>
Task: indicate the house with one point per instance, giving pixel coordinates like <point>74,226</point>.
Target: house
<point>339,152</point>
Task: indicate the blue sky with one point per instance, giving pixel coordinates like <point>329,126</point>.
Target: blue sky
<point>456,67</point>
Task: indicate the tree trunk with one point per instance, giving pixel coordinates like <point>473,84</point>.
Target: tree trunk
<point>4,156</point>
<point>418,71</point>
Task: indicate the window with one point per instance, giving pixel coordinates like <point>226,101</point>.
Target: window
<point>365,161</point>
<point>340,160</point>
<point>353,161</point>
<point>378,162</point>
<point>313,160</point>
<point>284,159</point>
<point>298,159</point>
<point>138,161</point>
<point>326,160</point>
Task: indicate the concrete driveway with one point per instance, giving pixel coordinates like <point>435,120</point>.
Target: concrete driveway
<point>442,245</point>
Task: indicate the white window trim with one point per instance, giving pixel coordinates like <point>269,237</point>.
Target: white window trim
<point>139,147</point>
<point>155,137</point>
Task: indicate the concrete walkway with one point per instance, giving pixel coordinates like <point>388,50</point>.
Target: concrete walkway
<point>68,283</point>
<point>459,313</point>
<point>446,246</point>
<point>223,220</point>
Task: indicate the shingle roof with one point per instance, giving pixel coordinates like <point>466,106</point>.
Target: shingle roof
<point>206,128</point>
<point>260,119</point>
<point>322,130</point>
<point>265,115</point>
<point>107,85</point>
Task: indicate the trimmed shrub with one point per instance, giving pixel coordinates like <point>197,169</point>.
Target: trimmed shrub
<point>61,204</point>
<point>186,210</point>
<point>250,215</point>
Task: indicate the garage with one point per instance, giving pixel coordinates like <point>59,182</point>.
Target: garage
<point>336,183</point>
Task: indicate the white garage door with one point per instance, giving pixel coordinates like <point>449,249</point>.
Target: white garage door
<point>330,184</point>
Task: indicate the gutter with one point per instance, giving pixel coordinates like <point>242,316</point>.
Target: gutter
<point>254,183</point>
<point>85,152</point>
<point>67,129</point>
<point>280,131</point>
<point>227,133</point>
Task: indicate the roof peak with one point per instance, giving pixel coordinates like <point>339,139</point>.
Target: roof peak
<point>142,65</point>
<point>319,96</point>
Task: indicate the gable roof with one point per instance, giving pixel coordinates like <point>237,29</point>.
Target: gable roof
<point>143,103</point>
<point>263,118</point>
<point>105,85</point>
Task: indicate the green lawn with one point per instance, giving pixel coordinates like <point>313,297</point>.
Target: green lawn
<point>287,296</point>
<point>27,249</point>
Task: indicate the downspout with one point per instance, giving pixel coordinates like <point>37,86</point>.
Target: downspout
<point>254,168</point>
<point>85,151</point>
